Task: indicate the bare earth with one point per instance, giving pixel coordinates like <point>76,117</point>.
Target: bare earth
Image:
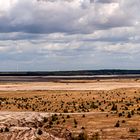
<point>105,110</point>
<point>92,85</point>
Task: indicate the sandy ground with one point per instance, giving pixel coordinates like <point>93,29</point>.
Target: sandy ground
<point>105,85</point>
<point>24,125</point>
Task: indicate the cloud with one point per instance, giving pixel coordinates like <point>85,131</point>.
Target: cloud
<point>54,33</point>
<point>107,1</point>
<point>61,16</point>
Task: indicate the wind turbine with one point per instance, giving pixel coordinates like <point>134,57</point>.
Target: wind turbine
<point>17,67</point>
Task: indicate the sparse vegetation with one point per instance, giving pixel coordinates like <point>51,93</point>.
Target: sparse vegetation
<point>108,110</point>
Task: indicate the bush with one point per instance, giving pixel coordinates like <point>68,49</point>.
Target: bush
<point>64,121</point>
<point>133,130</point>
<point>120,114</point>
<point>114,107</point>
<point>68,116</point>
<point>50,123</point>
<point>1,130</point>
<point>81,136</point>
<point>82,127</point>
<point>95,136</point>
<point>6,129</point>
<point>39,132</point>
<point>132,112</point>
<point>123,121</point>
<point>57,122</point>
<point>65,110</point>
<point>45,119</point>
<point>129,115</point>
<point>83,115</point>
<point>117,124</point>
<point>138,109</point>
<point>75,122</point>
<point>93,105</point>
<point>54,118</point>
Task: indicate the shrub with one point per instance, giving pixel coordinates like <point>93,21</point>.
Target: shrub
<point>6,129</point>
<point>133,130</point>
<point>1,130</point>
<point>57,122</point>
<point>93,105</point>
<point>132,112</point>
<point>50,123</point>
<point>114,107</point>
<point>120,114</point>
<point>65,110</point>
<point>75,122</point>
<point>83,136</point>
<point>68,116</point>
<point>117,124</point>
<point>95,136</point>
<point>123,121</point>
<point>83,115</point>
<point>129,115</point>
<point>45,119</point>
<point>82,127</point>
<point>54,118</point>
<point>138,109</point>
<point>75,126</point>
<point>39,132</point>
<point>64,121</point>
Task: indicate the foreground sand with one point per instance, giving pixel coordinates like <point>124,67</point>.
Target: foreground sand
<point>108,109</point>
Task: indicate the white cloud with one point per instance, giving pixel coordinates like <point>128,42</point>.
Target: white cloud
<point>62,16</point>
<point>67,30</point>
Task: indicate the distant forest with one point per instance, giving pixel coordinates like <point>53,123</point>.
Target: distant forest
<point>72,73</point>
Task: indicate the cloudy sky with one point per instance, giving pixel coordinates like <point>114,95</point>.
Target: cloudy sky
<point>69,34</point>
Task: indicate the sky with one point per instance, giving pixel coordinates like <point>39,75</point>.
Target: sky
<point>52,35</point>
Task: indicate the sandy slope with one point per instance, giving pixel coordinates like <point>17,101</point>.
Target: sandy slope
<point>21,125</point>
